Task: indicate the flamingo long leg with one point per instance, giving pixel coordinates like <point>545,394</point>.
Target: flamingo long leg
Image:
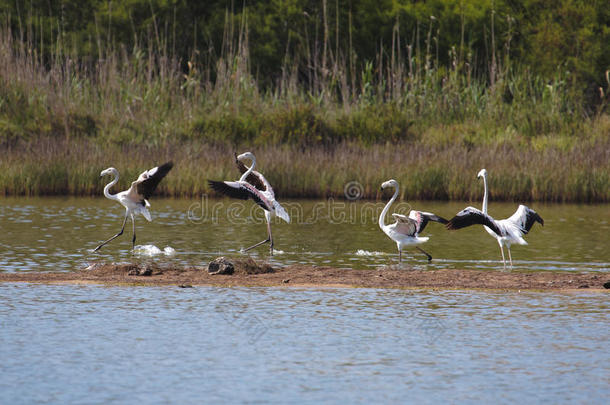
<point>269,239</point>
<point>510,258</point>
<point>503,259</point>
<point>399,256</point>
<point>115,236</point>
<point>424,252</point>
<point>258,244</point>
<point>133,226</point>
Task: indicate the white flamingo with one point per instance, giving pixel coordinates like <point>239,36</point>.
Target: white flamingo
<point>253,185</point>
<point>506,231</point>
<point>405,231</point>
<point>135,199</point>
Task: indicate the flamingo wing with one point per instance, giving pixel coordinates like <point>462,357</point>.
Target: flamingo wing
<point>472,216</point>
<point>422,218</point>
<point>147,182</point>
<point>404,225</point>
<point>240,190</point>
<point>524,218</point>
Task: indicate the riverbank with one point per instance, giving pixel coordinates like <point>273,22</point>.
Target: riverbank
<point>251,274</point>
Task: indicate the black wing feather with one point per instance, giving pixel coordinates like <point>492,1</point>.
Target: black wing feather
<point>427,217</point>
<point>252,178</point>
<point>148,186</point>
<point>532,217</point>
<point>472,216</point>
<point>240,193</point>
<point>222,188</point>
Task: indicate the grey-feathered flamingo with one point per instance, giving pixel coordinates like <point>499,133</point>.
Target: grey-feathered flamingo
<point>253,185</point>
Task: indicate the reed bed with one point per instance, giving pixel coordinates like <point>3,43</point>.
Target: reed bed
<point>445,172</point>
<point>63,119</point>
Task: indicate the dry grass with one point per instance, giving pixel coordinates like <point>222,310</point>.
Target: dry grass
<point>579,174</point>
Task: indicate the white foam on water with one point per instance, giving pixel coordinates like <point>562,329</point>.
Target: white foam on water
<point>152,250</point>
<point>361,252</point>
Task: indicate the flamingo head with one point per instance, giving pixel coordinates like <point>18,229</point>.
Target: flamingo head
<point>247,155</point>
<point>482,173</point>
<point>389,183</point>
<point>110,170</point>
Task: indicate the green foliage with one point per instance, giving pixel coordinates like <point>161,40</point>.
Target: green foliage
<point>432,91</point>
<point>543,35</point>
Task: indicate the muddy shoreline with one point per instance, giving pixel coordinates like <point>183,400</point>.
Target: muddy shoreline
<point>250,273</point>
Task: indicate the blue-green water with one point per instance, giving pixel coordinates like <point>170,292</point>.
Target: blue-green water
<point>92,344</point>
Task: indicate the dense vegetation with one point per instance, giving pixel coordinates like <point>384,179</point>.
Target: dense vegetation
<point>426,92</point>
<point>327,38</point>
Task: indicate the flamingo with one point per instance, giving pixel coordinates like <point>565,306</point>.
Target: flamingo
<point>253,185</point>
<point>405,231</point>
<point>135,199</point>
<point>506,231</point>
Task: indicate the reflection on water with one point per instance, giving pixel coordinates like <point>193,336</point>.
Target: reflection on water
<point>75,344</point>
<point>52,234</point>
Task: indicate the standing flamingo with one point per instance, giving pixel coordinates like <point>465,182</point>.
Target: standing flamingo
<point>135,199</point>
<point>253,185</point>
<point>506,231</point>
<point>406,229</point>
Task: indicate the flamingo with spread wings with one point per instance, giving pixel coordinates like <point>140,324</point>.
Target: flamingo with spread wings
<point>135,199</point>
<point>506,231</point>
<point>253,185</point>
<point>405,231</point>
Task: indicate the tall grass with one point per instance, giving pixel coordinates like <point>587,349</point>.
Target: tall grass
<point>580,174</point>
<point>64,118</point>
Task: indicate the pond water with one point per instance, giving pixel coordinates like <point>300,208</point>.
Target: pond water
<point>93,344</point>
<point>58,234</point>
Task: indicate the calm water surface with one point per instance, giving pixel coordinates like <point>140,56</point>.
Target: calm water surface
<point>51,234</point>
<point>92,344</point>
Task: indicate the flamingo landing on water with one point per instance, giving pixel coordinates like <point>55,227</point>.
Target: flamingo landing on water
<point>405,231</point>
<point>135,199</point>
<point>253,185</point>
<point>506,231</point>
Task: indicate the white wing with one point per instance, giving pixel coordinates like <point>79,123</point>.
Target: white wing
<point>524,218</point>
<point>404,225</point>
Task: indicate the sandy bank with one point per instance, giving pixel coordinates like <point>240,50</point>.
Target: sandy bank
<point>250,273</point>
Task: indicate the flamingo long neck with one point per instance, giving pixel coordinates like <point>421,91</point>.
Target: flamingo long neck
<point>247,173</point>
<point>109,185</point>
<point>386,208</point>
<point>485,195</point>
